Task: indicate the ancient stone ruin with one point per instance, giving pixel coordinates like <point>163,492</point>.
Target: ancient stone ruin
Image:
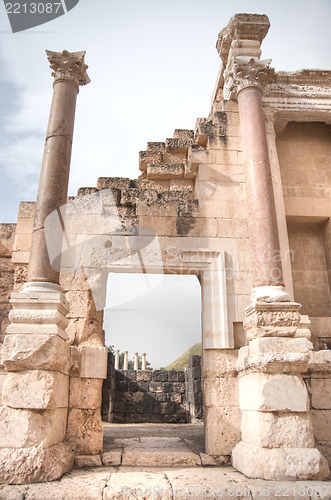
<point>242,202</point>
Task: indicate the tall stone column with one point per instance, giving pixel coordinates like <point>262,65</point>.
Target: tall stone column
<point>117,359</point>
<point>126,360</point>
<point>277,440</point>
<point>143,361</point>
<point>69,71</point>
<point>135,361</point>
<point>247,78</point>
<point>36,353</point>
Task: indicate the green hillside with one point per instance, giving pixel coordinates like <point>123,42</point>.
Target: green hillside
<point>182,362</point>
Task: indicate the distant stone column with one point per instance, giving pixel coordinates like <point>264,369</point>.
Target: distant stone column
<point>69,71</point>
<point>143,361</point>
<point>117,359</point>
<point>135,361</point>
<point>126,360</point>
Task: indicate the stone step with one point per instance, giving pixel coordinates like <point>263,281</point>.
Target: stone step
<point>175,146</point>
<point>146,157</point>
<point>203,128</point>
<point>165,171</point>
<point>181,133</point>
<point>156,146</point>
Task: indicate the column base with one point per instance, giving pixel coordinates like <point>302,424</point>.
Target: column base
<point>280,464</point>
<point>35,464</point>
<point>269,294</point>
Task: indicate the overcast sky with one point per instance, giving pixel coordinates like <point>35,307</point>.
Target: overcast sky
<point>153,65</point>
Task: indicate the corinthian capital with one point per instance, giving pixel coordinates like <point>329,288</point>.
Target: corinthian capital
<point>246,72</point>
<point>68,66</point>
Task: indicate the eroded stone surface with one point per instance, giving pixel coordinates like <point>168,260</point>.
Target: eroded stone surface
<point>32,465</point>
<point>36,390</point>
<point>27,428</point>
<point>277,430</point>
<point>279,463</point>
<point>37,352</point>
<point>85,430</point>
<point>266,392</point>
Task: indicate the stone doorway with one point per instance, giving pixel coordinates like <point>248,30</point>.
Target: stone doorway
<point>160,314</point>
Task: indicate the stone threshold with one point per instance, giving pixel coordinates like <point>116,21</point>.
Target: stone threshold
<point>150,451</point>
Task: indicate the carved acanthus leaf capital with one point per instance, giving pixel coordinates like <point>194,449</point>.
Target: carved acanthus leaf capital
<point>246,72</point>
<point>68,66</point>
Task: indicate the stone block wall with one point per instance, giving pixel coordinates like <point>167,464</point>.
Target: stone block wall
<point>155,396</point>
<point>7,233</point>
<point>108,391</point>
<point>194,388</point>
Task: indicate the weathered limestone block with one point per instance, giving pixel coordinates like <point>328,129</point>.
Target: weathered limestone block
<point>85,393</point>
<point>221,392</point>
<point>179,145</point>
<point>322,424</point>
<point>183,133</point>
<point>80,303</point>
<point>36,390</point>
<point>266,392</point>
<point>277,430</point>
<point>3,376</point>
<point>75,361</point>
<point>93,362</point>
<point>222,429</point>
<point>88,329</point>
<point>320,389</point>
<point>36,352</point>
<point>279,319</point>
<point>85,429</point>
<point>280,464</point>
<point>74,281</point>
<point>219,362</point>
<point>113,182</point>
<point>275,355</point>
<point>23,429</point>
<point>35,465</point>
<point>112,457</point>
<point>165,170</point>
<point>88,460</point>
<point>85,191</point>
<point>325,448</point>
<point>320,361</point>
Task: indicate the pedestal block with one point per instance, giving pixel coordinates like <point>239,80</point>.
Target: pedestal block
<point>35,393</point>
<point>277,437</point>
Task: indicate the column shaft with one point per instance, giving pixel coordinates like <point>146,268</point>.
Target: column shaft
<point>135,361</point>
<point>143,361</point>
<point>117,359</point>
<point>126,360</point>
<point>53,182</point>
<point>259,191</point>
